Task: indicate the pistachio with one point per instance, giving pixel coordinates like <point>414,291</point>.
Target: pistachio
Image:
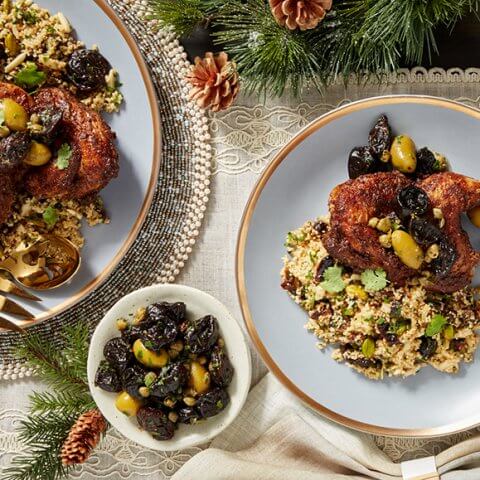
<point>368,348</point>
<point>356,291</point>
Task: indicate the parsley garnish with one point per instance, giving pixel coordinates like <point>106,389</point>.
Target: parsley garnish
<point>30,77</point>
<point>332,280</point>
<point>63,156</point>
<point>436,325</point>
<point>374,280</point>
<point>219,404</point>
<point>50,216</point>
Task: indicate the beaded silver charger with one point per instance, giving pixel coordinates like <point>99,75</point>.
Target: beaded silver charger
<point>180,199</point>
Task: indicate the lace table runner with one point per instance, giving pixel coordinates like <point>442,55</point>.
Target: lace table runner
<point>243,139</point>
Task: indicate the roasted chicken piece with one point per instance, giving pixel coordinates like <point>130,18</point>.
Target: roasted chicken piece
<point>94,158</point>
<point>454,194</point>
<point>350,240</point>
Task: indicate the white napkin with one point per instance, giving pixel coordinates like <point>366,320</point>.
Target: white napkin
<point>276,438</point>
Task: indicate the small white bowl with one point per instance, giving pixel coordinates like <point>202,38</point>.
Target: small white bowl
<point>198,304</point>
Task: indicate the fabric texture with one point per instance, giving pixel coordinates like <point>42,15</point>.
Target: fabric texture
<point>275,438</point>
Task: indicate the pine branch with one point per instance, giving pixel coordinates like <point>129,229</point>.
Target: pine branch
<point>183,16</point>
<point>62,369</point>
<point>61,402</point>
<point>45,435</point>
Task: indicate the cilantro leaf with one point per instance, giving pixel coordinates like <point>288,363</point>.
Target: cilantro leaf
<point>374,280</point>
<point>63,156</point>
<point>50,216</point>
<point>332,280</point>
<point>436,325</point>
<point>30,77</point>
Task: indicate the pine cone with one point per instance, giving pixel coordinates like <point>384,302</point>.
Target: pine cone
<point>303,14</point>
<point>83,437</point>
<point>214,80</point>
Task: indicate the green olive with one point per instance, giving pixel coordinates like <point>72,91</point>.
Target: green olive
<point>199,377</point>
<point>38,155</point>
<point>11,45</point>
<point>127,404</point>
<point>474,216</point>
<point>407,249</point>
<point>149,357</point>
<point>368,348</point>
<point>403,153</point>
<point>16,117</point>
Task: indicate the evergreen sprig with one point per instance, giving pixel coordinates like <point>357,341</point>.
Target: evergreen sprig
<point>52,413</point>
<point>356,37</point>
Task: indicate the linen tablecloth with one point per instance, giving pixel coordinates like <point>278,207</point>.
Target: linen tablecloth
<point>244,138</point>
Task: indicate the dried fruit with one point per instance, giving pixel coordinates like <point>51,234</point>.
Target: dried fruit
<point>413,200</point>
<point>380,137</point>
<point>220,368</point>
<point>169,380</point>
<point>213,402</point>
<point>201,334</point>
<point>442,265</point>
<point>361,161</point>
<point>107,378</point>
<point>424,232</point>
<point>428,347</point>
<point>325,263</point>
<point>117,353</point>
<point>156,422</point>
<point>87,69</point>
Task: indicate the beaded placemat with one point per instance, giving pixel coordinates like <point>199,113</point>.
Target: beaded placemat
<point>180,199</point>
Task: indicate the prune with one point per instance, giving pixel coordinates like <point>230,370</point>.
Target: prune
<point>380,137</point>
<point>365,362</point>
<point>325,263</point>
<point>187,415</point>
<point>413,200</point>
<point>361,161</point>
<point>426,162</point>
<point>424,232</point>
<point>320,227</point>
<point>175,311</point>
<point>212,403</point>
<point>13,149</point>
<point>156,422</point>
<point>117,353</point>
<point>158,332</point>
<point>107,378</point>
<point>385,332</point>
<point>131,333</point>
<point>169,380</point>
<point>428,347</point>
<point>220,368</point>
<point>447,255</point>
<point>50,121</point>
<point>132,379</point>
<point>87,69</point>
<point>201,334</point>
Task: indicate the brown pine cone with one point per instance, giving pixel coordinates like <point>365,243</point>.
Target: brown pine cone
<point>214,80</point>
<point>303,14</point>
<point>83,438</point>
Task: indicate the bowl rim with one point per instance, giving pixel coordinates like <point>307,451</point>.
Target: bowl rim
<point>240,262</point>
<point>152,183</point>
<point>243,388</point>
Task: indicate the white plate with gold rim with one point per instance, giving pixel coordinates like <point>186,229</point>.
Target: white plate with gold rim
<point>294,188</point>
<point>128,197</point>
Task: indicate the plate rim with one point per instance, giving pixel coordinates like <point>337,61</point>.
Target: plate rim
<point>147,201</point>
<point>242,236</point>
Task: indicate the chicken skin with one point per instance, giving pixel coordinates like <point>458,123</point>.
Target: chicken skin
<point>454,194</point>
<point>350,240</point>
<point>94,159</point>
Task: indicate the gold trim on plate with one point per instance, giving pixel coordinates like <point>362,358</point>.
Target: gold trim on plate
<point>240,262</point>
<point>157,143</point>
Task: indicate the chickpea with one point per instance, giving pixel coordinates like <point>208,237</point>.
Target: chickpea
<point>474,216</point>
<point>407,249</point>
<point>403,153</point>
<point>173,417</point>
<point>148,357</point>
<point>16,117</point>
<point>144,392</point>
<point>384,225</point>
<point>199,377</point>
<point>140,315</point>
<point>189,401</point>
<point>127,404</point>
<point>122,324</point>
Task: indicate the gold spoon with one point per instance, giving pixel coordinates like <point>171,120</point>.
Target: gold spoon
<point>47,264</point>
